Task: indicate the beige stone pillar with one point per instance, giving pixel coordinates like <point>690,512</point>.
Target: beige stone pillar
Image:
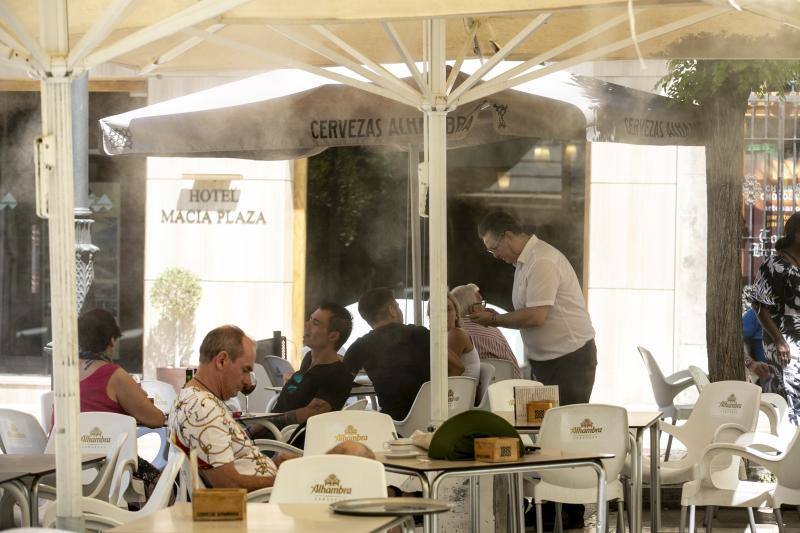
<point>299,203</point>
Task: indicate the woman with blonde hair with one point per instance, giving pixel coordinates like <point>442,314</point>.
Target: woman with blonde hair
<point>462,357</point>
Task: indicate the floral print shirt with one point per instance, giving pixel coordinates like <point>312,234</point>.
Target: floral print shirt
<point>199,420</point>
<point>778,287</point>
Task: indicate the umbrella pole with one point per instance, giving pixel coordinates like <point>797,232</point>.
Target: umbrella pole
<point>436,114</point>
<point>416,236</point>
<point>56,162</point>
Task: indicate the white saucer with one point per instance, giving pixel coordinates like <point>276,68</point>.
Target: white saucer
<point>402,455</point>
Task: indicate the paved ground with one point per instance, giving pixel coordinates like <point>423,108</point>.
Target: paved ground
<point>726,521</point>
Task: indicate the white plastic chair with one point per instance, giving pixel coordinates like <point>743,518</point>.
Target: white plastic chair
<point>358,405</point>
<point>724,410</point>
<point>583,428</point>
<point>103,485</point>
<point>665,389</point>
<point>46,409</point>
<point>276,367</point>
<point>502,369</point>
<point>97,435</point>
<point>461,395</point>
<point>326,430</point>
<point>163,393</point>
<point>260,398</point>
<point>164,396</point>
<point>699,377</point>
<point>13,493</point>
<point>484,380</point>
<point>501,393</point>
<point>20,433</point>
<point>328,478</point>
<point>776,409</point>
<point>102,515</point>
<point>708,490</point>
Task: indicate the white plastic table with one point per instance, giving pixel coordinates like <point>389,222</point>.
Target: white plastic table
<point>262,517</point>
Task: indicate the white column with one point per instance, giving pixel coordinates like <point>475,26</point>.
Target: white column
<point>57,129</point>
<point>437,174</point>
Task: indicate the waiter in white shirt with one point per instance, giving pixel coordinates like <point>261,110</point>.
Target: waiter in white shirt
<point>549,309</point>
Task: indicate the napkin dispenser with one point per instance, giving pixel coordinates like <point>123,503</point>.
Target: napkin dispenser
<point>496,449</point>
<point>215,504</point>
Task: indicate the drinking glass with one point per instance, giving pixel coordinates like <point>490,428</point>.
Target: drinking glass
<point>247,390</point>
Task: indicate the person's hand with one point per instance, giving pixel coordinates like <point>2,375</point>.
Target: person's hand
<point>286,376</point>
<point>760,369</point>
<point>284,456</point>
<point>783,351</point>
<point>484,317</point>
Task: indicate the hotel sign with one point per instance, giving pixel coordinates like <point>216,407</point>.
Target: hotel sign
<point>211,203</point>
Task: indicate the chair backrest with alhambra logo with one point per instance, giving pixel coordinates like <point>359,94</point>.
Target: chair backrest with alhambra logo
<point>328,478</point>
<point>20,433</point>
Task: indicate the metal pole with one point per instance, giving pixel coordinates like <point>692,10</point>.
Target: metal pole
<point>416,246</point>
<point>80,143</point>
<point>436,112</point>
<point>57,129</point>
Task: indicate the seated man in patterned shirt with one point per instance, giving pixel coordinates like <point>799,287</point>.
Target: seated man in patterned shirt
<point>199,419</point>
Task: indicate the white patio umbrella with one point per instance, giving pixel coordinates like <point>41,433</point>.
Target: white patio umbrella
<point>287,114</point>
<point>55,40</point>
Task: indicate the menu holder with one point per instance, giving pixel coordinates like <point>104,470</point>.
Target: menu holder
<point>215,504</point>
<point>525,395</point>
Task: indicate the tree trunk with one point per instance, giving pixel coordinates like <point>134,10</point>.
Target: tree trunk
<point>723,116</point>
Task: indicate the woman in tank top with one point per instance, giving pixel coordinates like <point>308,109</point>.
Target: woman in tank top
<point>107,387</point>
<point>462,357</point>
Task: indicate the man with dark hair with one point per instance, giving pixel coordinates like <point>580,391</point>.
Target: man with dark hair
<point>549,312</point>
<point>395,356</point>
<point>323,383</point>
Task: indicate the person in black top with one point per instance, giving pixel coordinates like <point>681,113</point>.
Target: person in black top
<point>395,356</point>
<point>323,383</point>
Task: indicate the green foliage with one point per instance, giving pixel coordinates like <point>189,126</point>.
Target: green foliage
<point>347,183</point>
<point>176,293</point>
<point>696,81</point>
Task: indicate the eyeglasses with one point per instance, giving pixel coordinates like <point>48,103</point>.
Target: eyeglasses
<point>493,249</point>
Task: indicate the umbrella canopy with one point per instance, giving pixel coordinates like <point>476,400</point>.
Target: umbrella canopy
<point>241,119</point>
<point>307,122</point>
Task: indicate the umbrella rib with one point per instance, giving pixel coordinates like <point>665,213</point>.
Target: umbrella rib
<point>178,50</point>
<point>7,39</point>
<point>196,13</point>
<point>98,32</point>
<point>509,47</point>
<point>259,52</point>
<point>487,89</point>
<point>407,59</point>
<point>772,15</point>
<point>15,58</point>
<point>376,67</point>
<point>451,79</point>
<point>332,55</point>
<point>40,59</point>
<point>499,80</point>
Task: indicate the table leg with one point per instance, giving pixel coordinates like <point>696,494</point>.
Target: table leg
<point>602,506</point>
<point>655,478</point>
<point>33,492</point>
<point>515,517</point>
<point>519,502</point>
<point>638,482</point>
<point>474,500</point>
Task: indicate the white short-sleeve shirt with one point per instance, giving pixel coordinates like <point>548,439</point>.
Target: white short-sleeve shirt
<point>544,277</point>
<point>199,420</point>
